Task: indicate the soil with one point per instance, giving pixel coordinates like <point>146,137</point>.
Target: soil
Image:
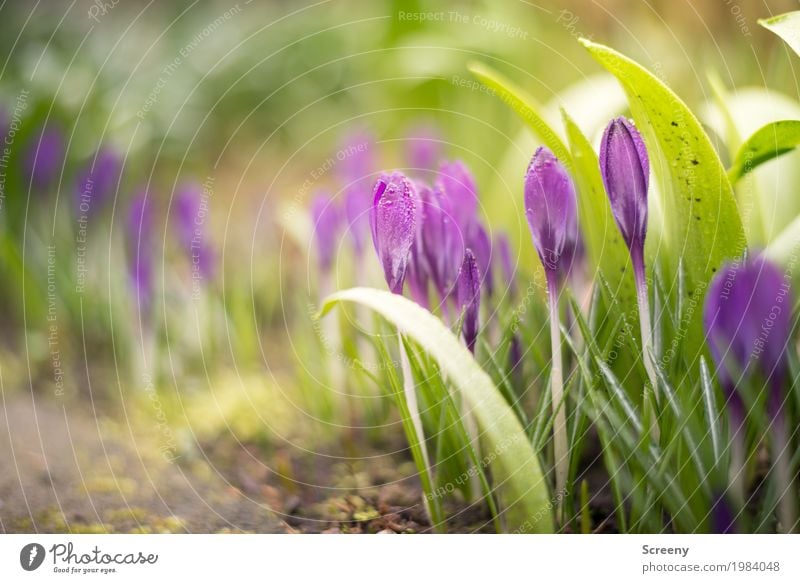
<point>68,471</point>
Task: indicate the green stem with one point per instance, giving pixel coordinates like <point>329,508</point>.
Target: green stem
<point>648,356</point>
<point>560,448</point>
<point>787,511</point>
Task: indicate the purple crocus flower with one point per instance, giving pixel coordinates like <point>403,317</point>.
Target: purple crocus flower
<point>747,319</point>
<point>44,157</point>
<point>441,239</point>
<point>355,165</point>
<point>625,168</point>
<point>457,183</point>
<point>327,219</point>
<point>550,207</point>
<point>190,223</point>
<point>506,261</point>
<point>481,245</point>
<point>469,298</point>
<point>393,219</point>
<point>140,232</point>
<point>424,147</point>
<point>98,181</point>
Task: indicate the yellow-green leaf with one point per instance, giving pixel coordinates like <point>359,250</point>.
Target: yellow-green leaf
<point>769,142</point>
<point>786,26</point>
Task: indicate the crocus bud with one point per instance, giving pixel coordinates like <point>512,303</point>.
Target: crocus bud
<point>441,239</point>
<point>457,183</point>
<point>98,181</point>
<point>327,220</point>
<point>625,169</point>
<point>550,206</point>
<point>506,261</point>
<point>469,298</point>
<point>354,169</point>
<point>481,245</point>
<point>190,221</point>
<point>424,147</point>
<point>747,319</point>
<point>140,243</point>
<point>393,219</point>
<point>44,157</point>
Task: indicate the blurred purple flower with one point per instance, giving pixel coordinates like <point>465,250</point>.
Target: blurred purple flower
<point>140,233</point>
<point>747,319</point>
<point>327,219</point>
<point>424,147</point>
<point>506,261</point>
<point>355,165</point>
<point>189,219</point>
<point>394,219</point>
<point>481,245</point>
<point>440,239</point>
<point>625,168</point>
<point>469,298</point>
<point>458,185</point>
<point>98,181</point>
<point>44,157</point>
<point>550,207</point>
<point>723,520</point>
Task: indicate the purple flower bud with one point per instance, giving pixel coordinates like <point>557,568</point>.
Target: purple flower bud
<point>747,319</point>
<point>625,169</point>
<point>140,244</point>
<point>481,245</point>
<point>424,147</point>
<point>506,260</point>
<point>44,157</point>
<point>458,185</point>
<point>550,206</point>
<point>190,224</point>
<point>98,181</point>
<point>393,219</point>
<point>327,220</point>
<point>441,241</point>
<point>354,169</point>
<point>469,298</point>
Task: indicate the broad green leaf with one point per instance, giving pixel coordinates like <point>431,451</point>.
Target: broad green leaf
<point>771,141</point>
<point>786,26</point>
<point>513,463</point>
<point>607,251</point>
<point>524,105</point>
<point>702,218</point>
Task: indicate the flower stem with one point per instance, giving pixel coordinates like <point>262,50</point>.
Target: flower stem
<point>643,301</point>
<point>787,512</point>
<point>560,449</point>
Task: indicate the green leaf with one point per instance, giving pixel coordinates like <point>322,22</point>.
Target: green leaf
<point>786,26</point>
<point>513,463</point>
<point>711,411</point>
<point>524,105</point>
<point>704,226</point>
<point>769,142</point>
